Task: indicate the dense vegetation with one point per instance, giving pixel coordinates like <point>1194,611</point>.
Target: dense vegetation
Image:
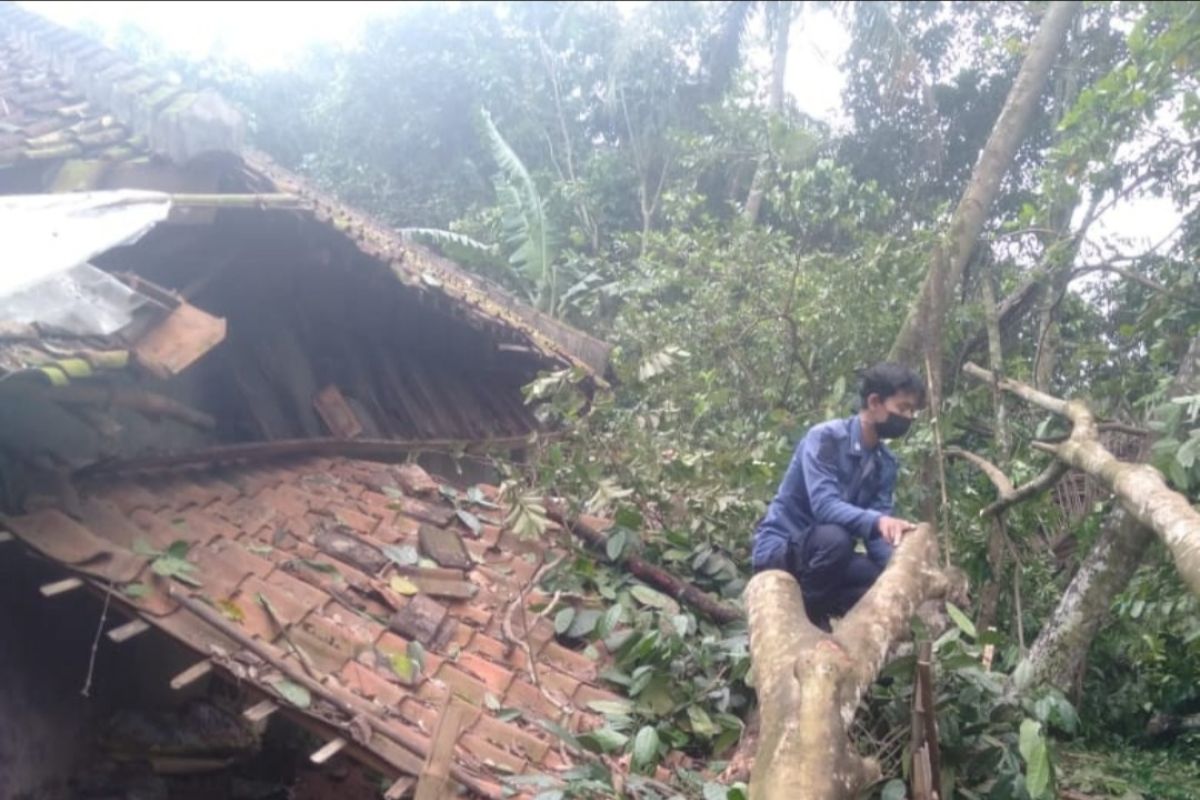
<point>635,175</point>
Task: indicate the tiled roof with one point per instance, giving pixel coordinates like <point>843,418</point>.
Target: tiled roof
<point>64,96</point>
<point>313,559</point>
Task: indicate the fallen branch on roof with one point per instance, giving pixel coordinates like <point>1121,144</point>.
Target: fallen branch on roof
<point>368,449</point>
<point>654,575</point>
<point>354,707</point>
<point>1139,487</point>
<point>809,683</point>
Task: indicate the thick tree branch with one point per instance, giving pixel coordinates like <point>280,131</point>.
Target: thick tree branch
<point>1139,487</point>
<point>809,683</point>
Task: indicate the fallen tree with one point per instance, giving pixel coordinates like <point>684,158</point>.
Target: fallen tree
<point>1140,488</point>
<point>809,683</point>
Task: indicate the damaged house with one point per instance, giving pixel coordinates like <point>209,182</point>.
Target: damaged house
<point>215,383</point>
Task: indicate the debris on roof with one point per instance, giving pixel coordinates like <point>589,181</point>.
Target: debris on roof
<point>348,592</point>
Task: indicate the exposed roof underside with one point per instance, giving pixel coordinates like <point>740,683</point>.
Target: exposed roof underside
<point>65,97</point>
<point>314,561</point>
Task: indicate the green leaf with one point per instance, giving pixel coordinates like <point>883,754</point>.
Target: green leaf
<point>612,618</point>
<point>702,724</point>
<point>655,599</point>
<point>584,623</point>
<point>613,707</point>
<point>615,545</point>
<point>417,653</point>
<point>178,549</point>
<point>604,740</point>
<point>231,610</point>
<point>404,555</point>
<point>136,590</point>
<point>645,747</point>
<point>403,666</point>
<point>894,790</point>
<point>404,586</point>
<point>961,620</point>
<point>563,620</point>
<point>294,693</point>
<point>1032,745</point>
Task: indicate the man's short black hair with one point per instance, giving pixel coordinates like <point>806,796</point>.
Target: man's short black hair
<point>887,379</point>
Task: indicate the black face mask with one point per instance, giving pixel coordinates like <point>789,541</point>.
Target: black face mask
<point>893,427</point>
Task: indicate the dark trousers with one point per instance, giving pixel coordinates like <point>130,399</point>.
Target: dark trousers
<point>832,576</point>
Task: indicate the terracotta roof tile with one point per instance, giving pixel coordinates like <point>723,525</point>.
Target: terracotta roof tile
<point>528,698</point>
<point>494,676</point>
<point>491,755</point>
<point>243,547</point>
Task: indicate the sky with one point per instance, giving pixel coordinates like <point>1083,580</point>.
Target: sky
<point>259,34</point>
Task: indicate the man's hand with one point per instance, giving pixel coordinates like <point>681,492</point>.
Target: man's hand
<point>892,529</point>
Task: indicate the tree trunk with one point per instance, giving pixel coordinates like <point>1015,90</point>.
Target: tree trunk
<point>779,54</point>
<point>921,332</point>
<point>1058,655</point>
<point>809,683</point>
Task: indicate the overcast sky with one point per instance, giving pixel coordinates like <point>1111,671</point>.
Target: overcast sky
<point>271,34</point>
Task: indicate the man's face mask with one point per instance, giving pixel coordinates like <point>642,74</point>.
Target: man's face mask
<point>893,427</point>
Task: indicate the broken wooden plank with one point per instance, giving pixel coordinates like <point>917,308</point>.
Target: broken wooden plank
<point>435,777</point>
<point>260,711</point>
<point>336,413</point>
<point>179,340</point>
<point>327,752</point>
<point>191,675</point>
<point>60,587</point>
<point>419,619</point>
<point>124,633</point>
<point>445,547</point>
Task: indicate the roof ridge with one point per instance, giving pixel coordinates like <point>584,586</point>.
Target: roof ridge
<point>174,121</point>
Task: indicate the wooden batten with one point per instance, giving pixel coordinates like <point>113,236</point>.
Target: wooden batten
<point>191,675</point>
<point>260,711</point>
<point>327,752</point>
<point>124,633</point>
<point>61,587</point>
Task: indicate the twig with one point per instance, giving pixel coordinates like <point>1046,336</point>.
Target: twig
<point>86,691</point>
<point>1004,486</point>
<point>936,424</point>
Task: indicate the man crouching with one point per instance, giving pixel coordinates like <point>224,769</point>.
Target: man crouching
<point>838,489</point>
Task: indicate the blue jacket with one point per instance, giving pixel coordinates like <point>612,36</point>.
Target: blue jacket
<point>833,478</point>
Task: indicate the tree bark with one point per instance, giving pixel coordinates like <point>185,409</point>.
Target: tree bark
<point>922,328</point>
<point>779,54</point>
<point>809,683</point>
<point>1140,488</point>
